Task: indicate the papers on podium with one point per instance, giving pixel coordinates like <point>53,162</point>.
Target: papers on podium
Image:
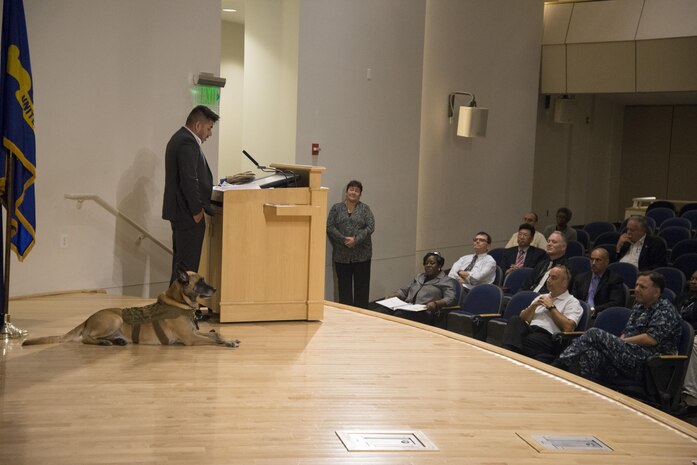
<point>395,303</point>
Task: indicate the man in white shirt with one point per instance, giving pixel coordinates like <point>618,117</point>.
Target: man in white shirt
<point>538,239</point>
<point>532,332</point>
<point>476,268</point>
<point>641,250</point>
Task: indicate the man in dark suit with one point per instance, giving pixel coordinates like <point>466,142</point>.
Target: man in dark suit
<point>638,248</point>
<point>524,255</point>
<point>556,255</point>
<point>601,288</point>
<point>188,188</point>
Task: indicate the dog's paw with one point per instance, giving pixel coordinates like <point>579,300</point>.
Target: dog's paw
<point>234,344</point>
<point>212,331</point>
<point>119,341</point>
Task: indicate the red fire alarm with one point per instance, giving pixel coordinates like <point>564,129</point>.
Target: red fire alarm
<point>315,149</point>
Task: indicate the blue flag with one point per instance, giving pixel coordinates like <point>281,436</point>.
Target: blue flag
<point>17,127</point>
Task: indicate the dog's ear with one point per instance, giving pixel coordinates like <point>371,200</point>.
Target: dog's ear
<point>183,274</point>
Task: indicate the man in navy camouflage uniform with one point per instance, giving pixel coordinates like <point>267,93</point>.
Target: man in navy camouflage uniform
<point>653,328</point>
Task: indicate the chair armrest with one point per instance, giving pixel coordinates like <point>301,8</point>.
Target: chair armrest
<point>451,307</point>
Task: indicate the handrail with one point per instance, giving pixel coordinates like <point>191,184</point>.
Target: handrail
<point>100,201</point>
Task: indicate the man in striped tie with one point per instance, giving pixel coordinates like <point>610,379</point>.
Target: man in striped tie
<point>524,254</point>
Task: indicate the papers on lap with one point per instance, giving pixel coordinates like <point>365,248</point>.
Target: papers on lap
<point>395,303</point>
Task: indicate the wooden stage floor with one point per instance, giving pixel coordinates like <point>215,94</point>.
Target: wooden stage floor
<point>281,397</point>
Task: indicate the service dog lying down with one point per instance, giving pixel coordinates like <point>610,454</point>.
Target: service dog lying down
<point>170,320</point>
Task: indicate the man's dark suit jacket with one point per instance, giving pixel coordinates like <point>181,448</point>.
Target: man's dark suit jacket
<point>188,180</point>
<point>653,254</point>
<point>539,271</point>
<point>532,257</point>
<point>610,291</point>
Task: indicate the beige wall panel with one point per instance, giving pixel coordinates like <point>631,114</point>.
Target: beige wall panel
<point>602,67</point>
<point>667,65</point>
<point>612,20</point>
<point>645,152</point>
<point>662,19</point>
<point>553,73</point>
<point>556,23</point>
<point>683,154</point>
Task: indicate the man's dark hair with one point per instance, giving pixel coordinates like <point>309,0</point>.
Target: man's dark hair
<point>566,211</point>
<point>529,227</point>
<point>355,183</point>
<point>201,114</point>
<point>482,233</point>
<point>656,278</point>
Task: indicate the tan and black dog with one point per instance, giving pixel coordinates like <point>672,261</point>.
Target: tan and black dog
<point>168,321</point>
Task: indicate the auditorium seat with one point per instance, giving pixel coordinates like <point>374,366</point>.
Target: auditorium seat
<point>627,271</point>
<point>687,263</point>
<point>515,279</point>
<point>482,302</point>
<point>663,376</point>
<point>496,326</point>
<point>596,228</point>
<point>660,214</point>
<point>675,279</point>
<point>575,249</point>
<point>677,221</point>
<point>674,234</point>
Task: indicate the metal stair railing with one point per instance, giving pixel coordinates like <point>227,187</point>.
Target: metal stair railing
<point>144,234</point>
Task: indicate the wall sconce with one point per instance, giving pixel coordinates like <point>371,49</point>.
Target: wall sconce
<point>471,120</point>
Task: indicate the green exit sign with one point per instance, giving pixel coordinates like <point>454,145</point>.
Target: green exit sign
<point>207,95</point>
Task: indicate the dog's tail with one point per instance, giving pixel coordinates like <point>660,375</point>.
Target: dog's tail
<point>72,335</point>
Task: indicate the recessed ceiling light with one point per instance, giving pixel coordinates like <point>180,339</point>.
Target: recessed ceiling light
<point>229,10</point>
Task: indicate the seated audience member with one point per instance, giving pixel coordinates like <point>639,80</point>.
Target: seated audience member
<point>601,287</point>
<point>432,288</point>
<point>563,218</point>
<point>638,248</point>
<point>686,303</point>
<point>538,239</point>
<point>523,254</point>
<point>556,255</point>
<point>532,332</point>
<point>476,268</point>
<point>653,328</point>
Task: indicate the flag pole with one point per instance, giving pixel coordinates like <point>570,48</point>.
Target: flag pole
<point>9,331</point>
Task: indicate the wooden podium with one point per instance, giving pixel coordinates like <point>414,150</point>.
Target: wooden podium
<point>267,251</point>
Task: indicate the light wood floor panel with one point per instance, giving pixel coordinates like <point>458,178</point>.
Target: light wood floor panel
<point>281,396</point>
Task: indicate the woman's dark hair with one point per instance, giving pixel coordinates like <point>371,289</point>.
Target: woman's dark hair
<point>439,258</point>
<point>354,183</point>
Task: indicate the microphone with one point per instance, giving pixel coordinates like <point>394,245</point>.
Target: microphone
<point>246,154</point>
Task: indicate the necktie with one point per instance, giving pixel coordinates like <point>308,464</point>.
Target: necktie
<point>543,280</point>
<point>471,265</point>
<point>520,261</point>
<point>592,290</point>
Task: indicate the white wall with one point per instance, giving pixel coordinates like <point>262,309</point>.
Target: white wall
<point>368,129</point>
<point>578,164</point>
<point>270,80</point>
<point>111,84</point>
<point>428,189</point>
<point>491,49</point>
<point>231,100</point>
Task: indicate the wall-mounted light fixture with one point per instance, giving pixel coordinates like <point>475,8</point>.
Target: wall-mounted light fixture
<point>471,120</point>
<point>209,79</point>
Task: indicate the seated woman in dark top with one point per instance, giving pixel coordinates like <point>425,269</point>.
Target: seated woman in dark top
<point>432,288</point>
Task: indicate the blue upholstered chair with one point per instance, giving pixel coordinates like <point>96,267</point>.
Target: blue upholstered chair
<point>675,279</point>
<point>496,326</point>
<point>515,279</point>
<point>627,271</point>
<point>596,228</point>
<point>480,303</point>
<point>660,214</point>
